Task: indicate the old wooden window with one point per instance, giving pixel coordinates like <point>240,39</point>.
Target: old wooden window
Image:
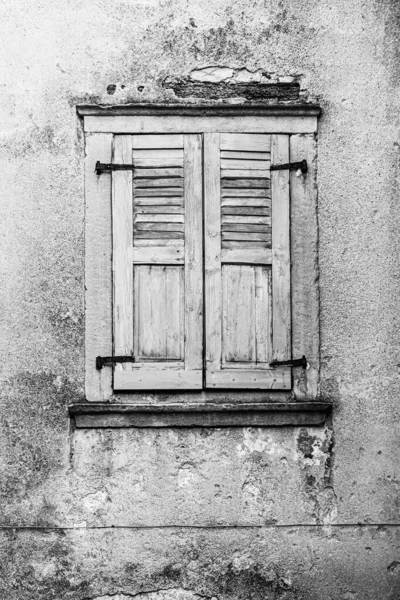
<point>199,239</point>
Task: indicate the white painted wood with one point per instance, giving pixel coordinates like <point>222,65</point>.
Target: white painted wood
<point>246,227</point>
<point>98,279</point>
<point>142,243</point>
<point>157,366</point>
<point>253,211</point>
<point>246,245</point>
<point>186,124</point>
<point>246,172</point>
<point>158,323</point>
<point>263,314</point>
<point>142,173</point>
<point>304,274</point>
<point>142,208</point>
<point>241,202</point>
<point>212,251</point>
<point>158,182</point>
<point>281,334</point>
<point>253,142</point>
<point>246,366</point>
<point>158,235</point>
<point>151,379</point>
<point>245,155</point>
<point>246,283</point>
<point>264,220</point>
<point>272,379</point>
<point>122,251</point>
<point>232,190</point>
<point>248,196</point>
<point>162,227</point>
<point>235,163</point>
<point>158,201</point>
<point>136,314</point>
<point>156,142</point>
<point>158,163</point>
<point>163,255</point>
<point>238,310</point>
<point>193,252</point>
<point>162,192</point>
<point>245,237</point>
<point>182,318</point>
<point>154,153</point>
<point>248,184</point>
<point>158,218</point>
<point>152,204</point>
<point>169,299</point>
<point>256,256</point>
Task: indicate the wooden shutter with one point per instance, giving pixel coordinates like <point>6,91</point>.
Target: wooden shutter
<point>157,261</point>
<point>247,260</point>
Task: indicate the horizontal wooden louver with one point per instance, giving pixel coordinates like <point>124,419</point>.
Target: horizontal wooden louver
<point>245,196</point>
<point>247,261</point>
<point>157,227</point>
<point>158,198</point>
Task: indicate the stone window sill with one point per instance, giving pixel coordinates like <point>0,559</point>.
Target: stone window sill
<point>102,415</point>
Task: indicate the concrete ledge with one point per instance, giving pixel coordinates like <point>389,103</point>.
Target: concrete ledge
<point>266,110</point>
<point>93,415</point>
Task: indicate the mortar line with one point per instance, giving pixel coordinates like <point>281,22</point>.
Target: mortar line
<point>216,527</point>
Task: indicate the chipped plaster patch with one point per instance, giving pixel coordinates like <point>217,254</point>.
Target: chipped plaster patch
<point>224,74</point>
<point>212,74</point>
<point>93,501</point>
<point>185,478</point>
<point>246,76</point>
<point>253,442</point>
<point>251,489</point>
<point>80,524</point>
<point>287,79</point>
<point>44,570</point>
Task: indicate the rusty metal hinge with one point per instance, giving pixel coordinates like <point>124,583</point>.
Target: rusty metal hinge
<point>294,166</point>
<point>112,360</point>
<point>108,167</point>
<point>297,362</point>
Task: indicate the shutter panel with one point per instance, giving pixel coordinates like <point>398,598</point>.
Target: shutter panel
<point>157,262</point>
<point>247,260</point>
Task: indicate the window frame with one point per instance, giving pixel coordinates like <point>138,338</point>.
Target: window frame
<point>100,125</point>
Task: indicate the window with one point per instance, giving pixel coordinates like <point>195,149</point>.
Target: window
<point>206,288</point>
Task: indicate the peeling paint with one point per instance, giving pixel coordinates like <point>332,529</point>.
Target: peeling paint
<point>315,455</point>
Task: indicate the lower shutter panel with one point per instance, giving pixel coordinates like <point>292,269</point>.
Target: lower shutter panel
<point>247,261</point>
<point>157,262</point>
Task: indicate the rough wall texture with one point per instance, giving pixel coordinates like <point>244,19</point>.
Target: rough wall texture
<point>295,494</point>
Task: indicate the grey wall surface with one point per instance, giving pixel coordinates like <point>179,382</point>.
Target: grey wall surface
<point>182,514</point>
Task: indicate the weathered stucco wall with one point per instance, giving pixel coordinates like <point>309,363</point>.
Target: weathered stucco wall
<point>187,488</point>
